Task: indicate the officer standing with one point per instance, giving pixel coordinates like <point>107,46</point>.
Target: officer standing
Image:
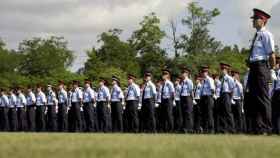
<point>117,103</point>
<point>207,101</point>
<point>186,98</point>
<point>51,109</point>
<point>276,98</point>
<point>76,103</point>
<point>12,113</point>
<point>132,102</point>
<point>62,107</point>
<point>30,109</point>
<point>148,104</point>
<point>88,101</point>
<point>226,123</point>
<point>261,59</point>
<point>177,112</point>
<point>41,102</point>
<point>4,121</point>
<point>167,98</point>
<point>21,114</point>
<point>103,100</point>
<point>237,107</point>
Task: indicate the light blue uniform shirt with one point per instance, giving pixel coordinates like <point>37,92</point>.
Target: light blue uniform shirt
<point>51,98</point>
<point>4,101</point>
<point>218,88</point>
<point>41,99</point>
<point>167,90</point>
<point>133,92</point>
<point>208,86</point>
<point>116,94</point>
<point>103,94</point>
<point>31,99</point>
<point>149,90</point>
<point>21,101</point>
<point>263,46</point>
<point>62,97</point>
<point>177,92</point>
<point>12,101</point>
<point>158,99</point>
<point>186,87</point>
<point>237,91</point>
<point>197,91</point>
<point>227,84</point>
<point>76,95</point>
<point>88,95</point>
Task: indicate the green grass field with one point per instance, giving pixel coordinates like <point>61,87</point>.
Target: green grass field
<point>29,145</point>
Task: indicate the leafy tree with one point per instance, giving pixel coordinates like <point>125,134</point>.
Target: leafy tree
<point>45,57</point>
<point>199,40</point>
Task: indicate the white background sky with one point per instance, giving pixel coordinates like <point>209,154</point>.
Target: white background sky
<point>80,21</point>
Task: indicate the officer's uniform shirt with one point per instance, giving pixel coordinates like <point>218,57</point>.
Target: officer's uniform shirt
<point>103,94</point>
<point>276,80</point>
<point>12,101</point>
<point>41,98</point>
<point>237,91</point>
<point>133,92</point>
<point>149,90</point>
<point>218,85</point>
<point>263,46</point>
<point>51,98</point>
<point>187,87</point>
<point>227,84</point>
<point>31,99</point>
<point>116,94</point>
<point>208,86</point>
<point>197,91</point>
<point>4,101</point>
<point>178,88</point>
<point>167,90</point>
<point>62,96</point>
<point>76,95</point>
<point>158,99</point>
<point>21,101</point>
<point>88,95</point>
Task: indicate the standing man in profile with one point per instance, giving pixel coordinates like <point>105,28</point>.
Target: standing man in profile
<point>261,60</point>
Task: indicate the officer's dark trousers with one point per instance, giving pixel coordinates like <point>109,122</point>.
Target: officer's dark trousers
<point>4,120</point>
<point>102,116</point>
<point>166,115</point>
<point>117,116</point>
<point>207,116</point>
<point>187,113</point>
<point>197,116</point>
<point>30,118</point>
<point>21,115</point>
<point>215,114</point>
<point>276,112</point>
<point>13,120</point>
<point>178,118</point>
<point>237,115</point>
<point>148,115</point>
<point>62,117</point>
<point>258,79</point>
<point>76,120</point>
<point>88,113</point>
<point>157,117</point>
<point>40,118</point>
<point>248,110</point>
<point>51,118</point>
<point>226,123</point>
<point>95,120</point>
<point>132,116</point>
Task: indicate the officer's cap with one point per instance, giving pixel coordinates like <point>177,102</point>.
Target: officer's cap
<point>131,76</point>
<point>260,14</point>
<point>224,66</point>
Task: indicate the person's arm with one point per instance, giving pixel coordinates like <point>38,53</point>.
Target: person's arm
<point>272,60</point>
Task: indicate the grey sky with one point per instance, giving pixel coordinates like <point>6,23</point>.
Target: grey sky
<point>80,21</point>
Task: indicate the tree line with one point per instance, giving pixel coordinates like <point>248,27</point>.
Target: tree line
<point>47,60</point>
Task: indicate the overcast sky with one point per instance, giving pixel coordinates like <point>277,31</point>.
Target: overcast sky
<point>80,21</point>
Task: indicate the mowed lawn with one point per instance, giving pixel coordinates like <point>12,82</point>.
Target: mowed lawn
<point>43,145</point>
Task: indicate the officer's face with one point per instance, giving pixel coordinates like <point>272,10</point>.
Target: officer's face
<point>147,78</point>
<point>114,82</point>
<point>130,81</point>
<point>86,85</point>
<point>258,23</point>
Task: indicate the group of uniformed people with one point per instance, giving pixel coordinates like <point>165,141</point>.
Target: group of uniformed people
<point>210,104</point>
